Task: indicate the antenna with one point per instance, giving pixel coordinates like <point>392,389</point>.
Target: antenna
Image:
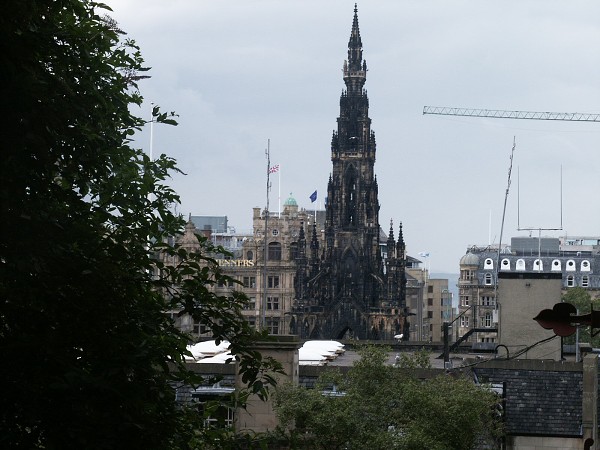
<point>512,153</point>
<point>519,228</point>
<point>539,229</point>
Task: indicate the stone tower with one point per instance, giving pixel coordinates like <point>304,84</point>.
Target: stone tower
<point>345,289</point>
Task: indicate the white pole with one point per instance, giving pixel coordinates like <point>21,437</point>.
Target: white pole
<point>490,229</point>
<point>279,190</point>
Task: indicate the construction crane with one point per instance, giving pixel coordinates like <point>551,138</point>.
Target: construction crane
<point>502,114</point>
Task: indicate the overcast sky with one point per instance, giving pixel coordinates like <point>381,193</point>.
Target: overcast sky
<point>241,72</point>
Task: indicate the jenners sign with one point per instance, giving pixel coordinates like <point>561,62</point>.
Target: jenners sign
<point>235,262</point>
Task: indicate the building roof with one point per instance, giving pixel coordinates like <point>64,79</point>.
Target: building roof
<point>291,201</point>
<point>470,259</point>
<point>529,408</point>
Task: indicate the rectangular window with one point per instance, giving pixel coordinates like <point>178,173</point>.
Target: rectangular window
<point>223,283</point>
<point>430,314</point>
<point>200,328</point>
<point>585,281</point>
<point>464,321</point>
<point>272,303</point>
<point>249,282</point>
<point>273,281</point>
<point>429,302</point>
<point>251,305</point>
<point>430,289</point>
<point>487,320</point>
<point>272,325</point>
<point>222,416</point>
<point>487,300</point>
<point>464,300</point>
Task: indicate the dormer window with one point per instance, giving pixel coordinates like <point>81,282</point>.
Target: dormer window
<point>520,264</point>
<point>538,265</point>
<point>505,264</point>
<point>570,265</point>
<point>556,266</point>
<point>585,265</point>
<point>488,263</point>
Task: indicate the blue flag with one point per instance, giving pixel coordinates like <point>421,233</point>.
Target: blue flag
<point>313,197</point>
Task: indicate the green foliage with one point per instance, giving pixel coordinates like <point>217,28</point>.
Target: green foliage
<point>417,360</point>
<point>582,300</point>
<point>90,356</point>
<point>382,406</point>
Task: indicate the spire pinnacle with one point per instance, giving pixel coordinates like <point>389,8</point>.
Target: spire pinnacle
<point>400,246</point>
<point>355,45</point>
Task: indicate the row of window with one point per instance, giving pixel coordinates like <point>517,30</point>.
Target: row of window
<point>272,304</point>
<point>272,324</point>
<point>538,265</point>
<point>484,300</point>
<point>486,321</point>
<point>274,251</point>
<point>585,281</point>
<point>250,282</point>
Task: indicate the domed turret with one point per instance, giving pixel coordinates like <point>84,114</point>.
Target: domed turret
<point>469,259</point>
<point>291,201</point>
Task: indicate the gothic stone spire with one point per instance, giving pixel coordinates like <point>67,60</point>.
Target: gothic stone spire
<point>355,69</point>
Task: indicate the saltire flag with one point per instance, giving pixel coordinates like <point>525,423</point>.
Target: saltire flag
<point>274,169</point>
<point>313,197</point>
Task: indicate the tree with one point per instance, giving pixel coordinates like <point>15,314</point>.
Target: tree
<point>382,406</point>
<point>90,357</point>
<point>582,300</point>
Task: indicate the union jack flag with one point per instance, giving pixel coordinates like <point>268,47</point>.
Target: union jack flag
<point>274,169</point>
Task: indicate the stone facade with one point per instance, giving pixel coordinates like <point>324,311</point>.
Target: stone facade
<point>575,261</point>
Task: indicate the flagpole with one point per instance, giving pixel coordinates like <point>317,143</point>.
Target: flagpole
<point>265,250</point>
<point>279,189</point>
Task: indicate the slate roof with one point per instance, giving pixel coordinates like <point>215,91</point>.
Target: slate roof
<point>539,402</point>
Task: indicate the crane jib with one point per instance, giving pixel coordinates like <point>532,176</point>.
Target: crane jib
<point>504,114</point>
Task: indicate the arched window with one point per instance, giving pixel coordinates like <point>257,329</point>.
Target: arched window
<point>505,264</point>
<point>585,281</point>
<point>274,251</point>
<point>293,251</point>
<point>556,267</point>
<point>520,264</point>
<point>570,265</point>
<point>250,255</point>
<point>570,281</point>
<point>488,263</point>
<point>488,279</point>
<point>351,194</point>
<point>585,265</point>
<point>538,265</point>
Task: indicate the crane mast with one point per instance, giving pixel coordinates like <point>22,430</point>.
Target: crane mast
<point>503,114</point>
